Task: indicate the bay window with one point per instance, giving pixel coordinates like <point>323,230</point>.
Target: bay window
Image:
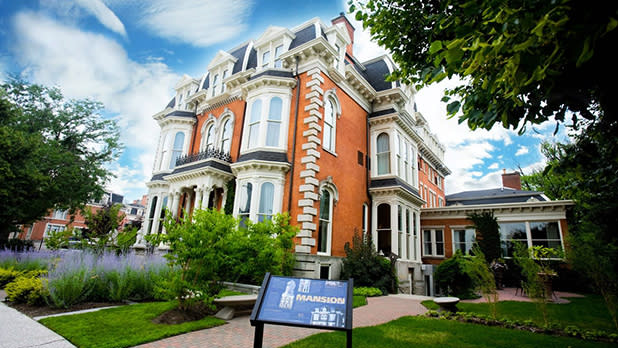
<point>383,154</point>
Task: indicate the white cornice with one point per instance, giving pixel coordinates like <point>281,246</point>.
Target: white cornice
<point>266,80</point>
<point>240,167</point>
<point>222,57</point>
<point>190,175</point>
<point>555,209</point>
<point>395,191</point>
<point>176,120</point>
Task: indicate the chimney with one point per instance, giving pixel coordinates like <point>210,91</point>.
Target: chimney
<point>511,180</point>
<point>349,28</point>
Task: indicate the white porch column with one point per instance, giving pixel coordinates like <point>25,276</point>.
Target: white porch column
<point>175,202</point>
<point>374,224</point>
<point>198,198</point>
<point>157,215</point>
<point>418,251</point>
<point>224,198</point>
<point>404,236</point>
<point>206,196</point>
<point>188,201</point>
<point>394,231</point>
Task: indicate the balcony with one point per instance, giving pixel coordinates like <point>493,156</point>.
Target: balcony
<point>208,153</point>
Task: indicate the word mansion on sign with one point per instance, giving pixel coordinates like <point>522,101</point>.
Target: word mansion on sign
<point>299,125</point>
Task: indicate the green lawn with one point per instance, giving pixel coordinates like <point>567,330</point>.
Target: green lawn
<point>124,326</point>
<point>586,313</point>
<point>427,332</point>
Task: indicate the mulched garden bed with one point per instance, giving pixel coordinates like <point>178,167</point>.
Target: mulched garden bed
<point>37,311</point>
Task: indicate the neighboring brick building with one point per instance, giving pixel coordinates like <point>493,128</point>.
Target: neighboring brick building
<point>523,216</point>
<point>301,126</point>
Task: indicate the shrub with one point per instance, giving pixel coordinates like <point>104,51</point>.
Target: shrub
<point>453,279</point>
<point>26,290</point>
<point>488,234</point>
<point>367,267</point>
<point>367,291</point>
<point>25,261</point>
<point>17,245</point>
<point>7,276</point>
<point>72,279</point>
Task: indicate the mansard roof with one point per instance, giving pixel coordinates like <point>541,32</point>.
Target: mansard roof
<point>303,35</point>
<point>172,103</point>
<point>240,55</point>
<point>494,196</point>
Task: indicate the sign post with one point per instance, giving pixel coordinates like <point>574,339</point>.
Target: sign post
<point>303,302</point>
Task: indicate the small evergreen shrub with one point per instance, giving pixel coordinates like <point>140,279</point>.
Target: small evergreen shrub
<point>7,276</point>
<point>367,291</point>
<point>26,290</point>
<point>367,267</point>
<point>453,279</point>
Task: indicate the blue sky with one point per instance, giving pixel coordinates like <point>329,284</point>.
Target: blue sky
<point>129,54</point>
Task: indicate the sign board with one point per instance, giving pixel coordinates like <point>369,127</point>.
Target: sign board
<point>303,302</point>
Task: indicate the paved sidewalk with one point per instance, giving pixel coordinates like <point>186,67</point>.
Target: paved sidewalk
<point>20,331</point>
<point>238,332</point>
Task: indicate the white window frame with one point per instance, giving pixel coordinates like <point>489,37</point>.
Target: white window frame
<point>455,243</point>
<point>329,230</point>
<point>55,227</point>
<point>60,214</point>
<point>250,144</point>
<point>433,233</point>
<point>386,154</point>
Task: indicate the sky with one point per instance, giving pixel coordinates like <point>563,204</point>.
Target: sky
<point>129,54</point>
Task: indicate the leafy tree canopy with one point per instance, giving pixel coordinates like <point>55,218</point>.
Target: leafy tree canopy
<point>520,61</point>
<point>54,152</point>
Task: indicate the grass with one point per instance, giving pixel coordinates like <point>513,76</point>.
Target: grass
<point>585,313</point>
<point>123,326</point>
<point>426,332</point>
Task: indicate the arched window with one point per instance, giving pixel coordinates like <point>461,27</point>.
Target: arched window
<point>267,196</point>
<point>254,123</point>
<point>210,137</point>
<point>274,122</point>
<point>330,119</point>
<point>245,203</point>
<point>179,141</point>
<point>226,136</point>
<point>384,154</point>
<point>325,224</point>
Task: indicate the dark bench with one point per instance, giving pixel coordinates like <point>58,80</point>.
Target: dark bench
<point>233,304</point>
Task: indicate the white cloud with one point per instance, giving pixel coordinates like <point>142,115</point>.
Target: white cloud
<point>494,165</point>
<point>197,22</point>
<point>98,9</point>
<point>522,150</point>
<point>364,48</point>
<point>89,65</point>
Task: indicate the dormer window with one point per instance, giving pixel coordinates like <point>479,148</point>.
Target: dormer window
<point>223,78</point>
<point>215,81</point>
<point>179,99</point>
<point>265,59</point>
<point>278,51</point>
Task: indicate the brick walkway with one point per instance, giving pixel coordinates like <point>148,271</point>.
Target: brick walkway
<point>238,332</point>
<point>511,294</point>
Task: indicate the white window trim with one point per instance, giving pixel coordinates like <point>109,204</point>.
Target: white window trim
<point>263,124</point>
<point>529,231</point>
<point>433,230</point>
<point>329,232</point>
<point>460,227</point>
<point>331,95</point>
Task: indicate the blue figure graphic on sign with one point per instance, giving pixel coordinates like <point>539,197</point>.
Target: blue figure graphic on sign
<point>287,298</point>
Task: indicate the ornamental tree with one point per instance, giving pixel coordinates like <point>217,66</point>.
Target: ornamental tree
<point>54,152</point>
<point>520,61</point>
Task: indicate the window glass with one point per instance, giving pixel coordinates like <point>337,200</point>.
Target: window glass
<point>215,81</point>
<point>223,78</point>
<point>324,224</point>
<point>210,137</point>
<point>278,51</point>
<point>254,123</point>
<point>383,154</point>
<point>245,203</point>
<point>274,122</point>
<point>265,59</point>
<point>328,142</point>
<point>511,233</point>
<point>226,137</point>
<point>545,234</point>
<point>439,242</point>
<point>427,241</point>
<point>399,230</point>
<point>179,140</point>
<point>267,196</point>
<point>463,239</point>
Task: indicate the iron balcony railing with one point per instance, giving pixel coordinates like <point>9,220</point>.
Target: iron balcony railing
<point>204,154</point>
